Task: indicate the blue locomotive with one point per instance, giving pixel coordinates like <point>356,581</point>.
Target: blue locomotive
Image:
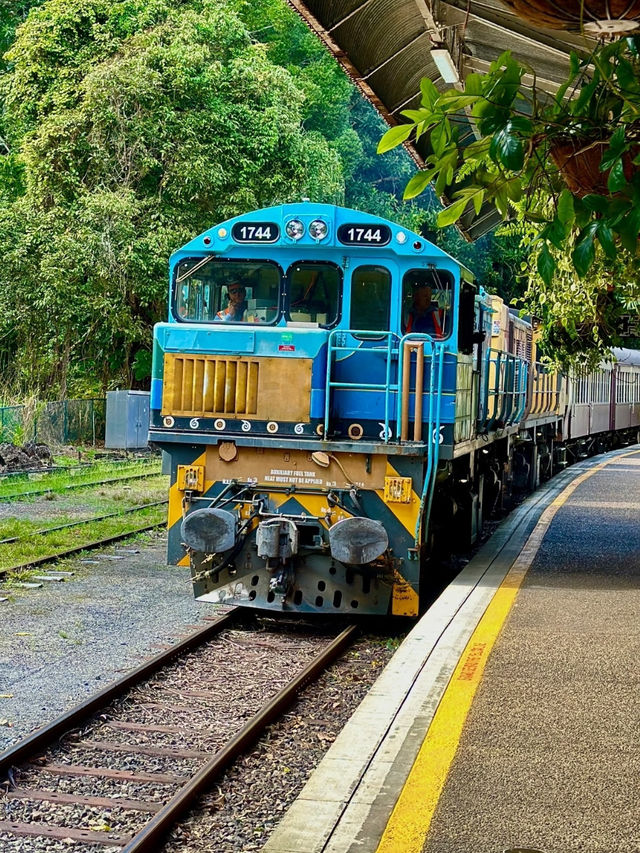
<point>337,397</point>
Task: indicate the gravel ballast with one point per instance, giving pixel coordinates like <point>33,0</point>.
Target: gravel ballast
<point>249,800</point>
<point>68,640</point>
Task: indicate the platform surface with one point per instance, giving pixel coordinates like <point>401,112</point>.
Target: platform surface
<point>509,718</point>
<point>550,754</point>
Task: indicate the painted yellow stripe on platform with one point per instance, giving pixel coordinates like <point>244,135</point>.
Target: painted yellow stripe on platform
<point>411,818</point>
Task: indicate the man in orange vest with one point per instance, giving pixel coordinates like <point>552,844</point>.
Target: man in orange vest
<point>236,309</point>
<point>425,316</point>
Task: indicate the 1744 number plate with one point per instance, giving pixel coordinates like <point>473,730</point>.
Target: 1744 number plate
<point>364,235</point>
<point>255,232</point>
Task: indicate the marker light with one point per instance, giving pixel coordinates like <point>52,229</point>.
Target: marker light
<point>401,237</point>
<point>318,229</point>
<point>294,229</point>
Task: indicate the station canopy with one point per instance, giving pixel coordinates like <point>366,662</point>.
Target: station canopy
<point>386,46</point>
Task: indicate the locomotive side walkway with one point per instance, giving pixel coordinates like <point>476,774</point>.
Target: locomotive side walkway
<point>541,748</point>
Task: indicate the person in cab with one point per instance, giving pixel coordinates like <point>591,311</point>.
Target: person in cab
<point>425,316</point>
<point>236,309</point>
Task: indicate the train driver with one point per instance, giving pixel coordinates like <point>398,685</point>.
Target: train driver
<point>236,309</point>
<point>425,316</point>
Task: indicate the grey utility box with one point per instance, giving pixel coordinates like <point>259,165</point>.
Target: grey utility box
<point>127,426</point>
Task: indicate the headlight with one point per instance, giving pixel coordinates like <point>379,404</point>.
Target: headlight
<point>294,229</point>
<point>318,229</point>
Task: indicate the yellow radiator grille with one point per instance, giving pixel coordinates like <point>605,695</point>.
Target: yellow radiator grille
<point>206,385</point>
<point>262,388</point>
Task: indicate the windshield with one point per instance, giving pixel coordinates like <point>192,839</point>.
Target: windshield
<point>209,290</point>
<point>314,293</point>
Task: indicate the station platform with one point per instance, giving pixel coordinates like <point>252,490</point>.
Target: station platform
<point>509,718</point>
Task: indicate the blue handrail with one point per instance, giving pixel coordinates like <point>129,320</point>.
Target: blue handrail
<point>504,403</point>
<point>433,355</point>
<point>387,387</point>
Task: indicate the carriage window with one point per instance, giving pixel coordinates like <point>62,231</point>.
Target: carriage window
<point>370,299</point>
<point>426,302</point>
<point>314,292</point>
<point>209,290</point>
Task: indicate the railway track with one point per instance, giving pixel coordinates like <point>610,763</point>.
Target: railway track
<point>81,522</point>
<point>35,562</point>
<point>144,748</point>
<point>86,546</point>
<point>70,486</point>
<point>30,473</point>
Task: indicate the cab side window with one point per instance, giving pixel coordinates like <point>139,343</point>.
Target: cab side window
<point>426,302</point>
<point>370,299</point>
<point>209,290</point>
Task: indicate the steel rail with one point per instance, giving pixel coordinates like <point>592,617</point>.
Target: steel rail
<point>149,838</point>
<point>18,495</point>
<point>45,736</point>
<point>88,546</point>
<point>82,521</point>
<point>85,466</point>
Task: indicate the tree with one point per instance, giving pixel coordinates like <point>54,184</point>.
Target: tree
<point>134,125</point>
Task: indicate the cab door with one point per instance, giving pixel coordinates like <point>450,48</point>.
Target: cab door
<point>363,358</point>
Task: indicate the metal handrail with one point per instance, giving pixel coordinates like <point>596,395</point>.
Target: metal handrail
<point>412,340</point>
<point>435,354</point>
<point>507,399</point>
<point>387,387</point>
<point>420,342</point>
<point>523,377</point>
<point>545,391</point>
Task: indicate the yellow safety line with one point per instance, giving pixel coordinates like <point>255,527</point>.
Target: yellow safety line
<point>411,818</point>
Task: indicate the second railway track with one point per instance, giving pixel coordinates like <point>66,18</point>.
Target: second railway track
<point>146,747</point>
<point>33,546</point>
<point>82,521</point>
<point>18,495</point>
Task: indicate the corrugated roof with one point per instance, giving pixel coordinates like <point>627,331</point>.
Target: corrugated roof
<point>384,46</point>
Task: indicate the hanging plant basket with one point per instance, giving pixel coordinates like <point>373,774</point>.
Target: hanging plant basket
<point>594,17</point>
<point>578,161</point>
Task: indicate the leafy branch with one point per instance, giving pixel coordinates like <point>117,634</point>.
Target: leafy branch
<point>566,164</point>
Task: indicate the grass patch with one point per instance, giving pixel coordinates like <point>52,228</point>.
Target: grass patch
<point>57,481</point>
<point>75,506</point>
<point>35,547</point>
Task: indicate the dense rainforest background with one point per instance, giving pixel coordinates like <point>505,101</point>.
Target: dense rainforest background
<point>129,126</point>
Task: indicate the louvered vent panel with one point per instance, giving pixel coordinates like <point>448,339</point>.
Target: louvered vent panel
<point>206,385</point>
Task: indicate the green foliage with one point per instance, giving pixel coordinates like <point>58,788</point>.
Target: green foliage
<point>564,165</point>
<point>531,148</point>
<point>133,125</point>
<point>128,126</point>
<point>581,315</point>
